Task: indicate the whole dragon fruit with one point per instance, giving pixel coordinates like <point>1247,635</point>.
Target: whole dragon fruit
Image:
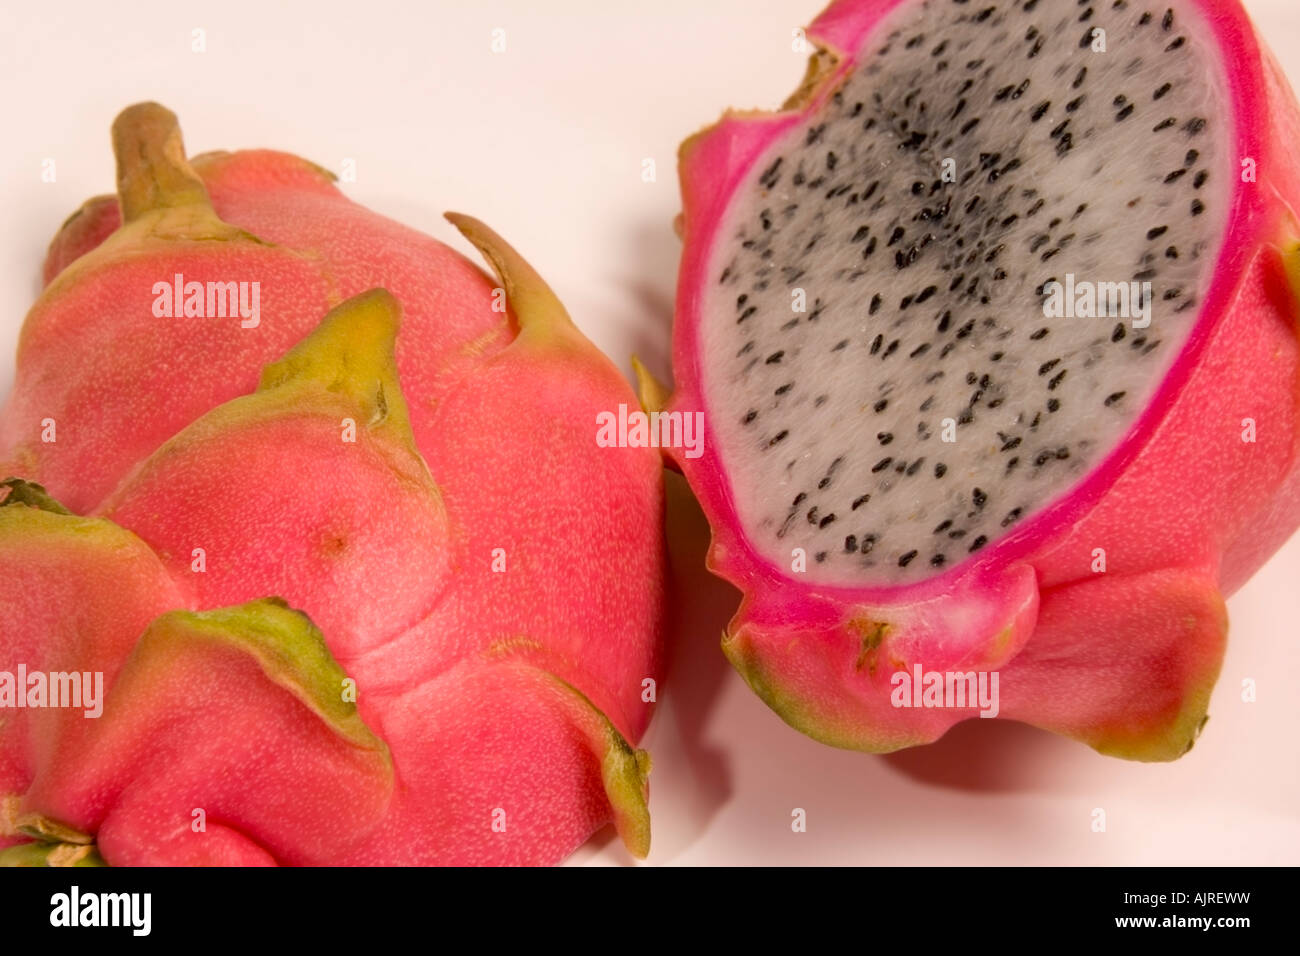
<point>994,332</point>
<point>322,603</point>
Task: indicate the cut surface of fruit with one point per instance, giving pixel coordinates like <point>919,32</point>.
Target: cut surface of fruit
<point>892,384</point>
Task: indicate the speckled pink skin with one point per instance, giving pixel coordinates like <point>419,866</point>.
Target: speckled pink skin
<point>94,344</point>
<point>1185,510</point>
<point>518,690</point>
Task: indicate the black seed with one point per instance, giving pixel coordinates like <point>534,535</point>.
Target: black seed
<point>1194,125</point>
<point>884,438</point>
<point>919,350</point>
<point>859,501</point>
<point>1198,207</point>
<point>1056,379</point>
<point>881,465</point>
<point>1125,113</point>
<point>978,543</point>
<point>1165,88</point>
<point>890,349</point>
<point>775,357</point>
<point>979,498</point>
<point>1157,232</point>
<point>1200,179</point>
<point>871,310</point>
<point>1040,110</point>
<point>1164,124</point>
<point>780,436</point>
<point>881,405</point>
<point>1011,443</point>
<point>1176,44</point>
<point>1048,366</point>
<point>1176,175</point>
<point>851,543</point>
<point>906,559</point>
<point>1168,20</point>
<point>868,542</point>
<point>940,470</point>
<point>750,416</point>
<point>1053,403</point>
<point>1012,515</point>
<point>1074,104</point>
<point>785,388</point>
<point>825,521</point>
<point>1114,397</point>
<point>1042,458</point>
<point>876,343</point>
<point>820,556</point>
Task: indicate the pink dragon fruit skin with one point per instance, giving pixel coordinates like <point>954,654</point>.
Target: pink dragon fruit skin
<point>494,704</point>
<point>1123,660</point>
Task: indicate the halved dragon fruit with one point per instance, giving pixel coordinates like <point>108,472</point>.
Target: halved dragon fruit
<point>348,594</point>
<point>994,330</point>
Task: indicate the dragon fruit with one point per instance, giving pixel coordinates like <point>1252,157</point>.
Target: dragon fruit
<point>327,593</point>
<point>993,331</point>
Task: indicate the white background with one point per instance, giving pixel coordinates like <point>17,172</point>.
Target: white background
<point>546,142</point>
